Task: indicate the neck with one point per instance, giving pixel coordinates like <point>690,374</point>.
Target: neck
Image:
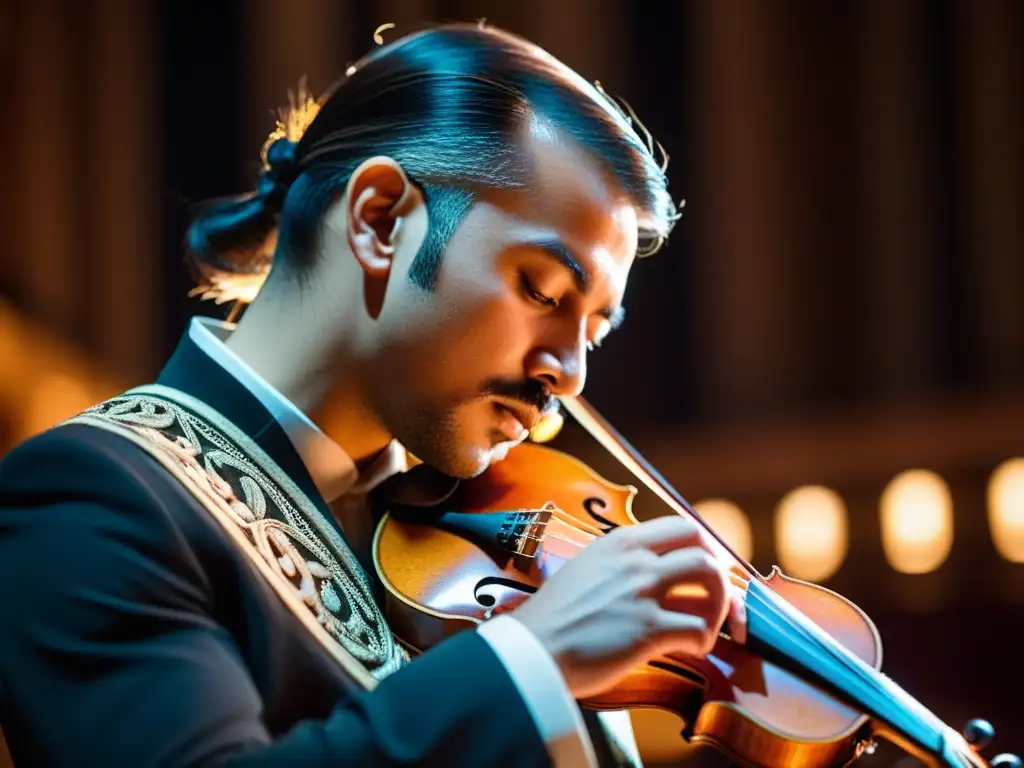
<point>285,343</point>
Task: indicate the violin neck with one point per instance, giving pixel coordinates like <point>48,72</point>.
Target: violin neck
<point>785,637</point>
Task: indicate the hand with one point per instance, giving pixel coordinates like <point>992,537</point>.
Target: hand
<point>611,608</point>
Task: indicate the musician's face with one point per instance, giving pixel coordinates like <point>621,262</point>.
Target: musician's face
<point>529,282</point>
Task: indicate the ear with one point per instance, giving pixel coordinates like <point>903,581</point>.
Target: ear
<point>378,195</point>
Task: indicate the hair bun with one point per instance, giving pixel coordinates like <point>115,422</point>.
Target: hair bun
<point>282,169</point>
<point>281,156</point>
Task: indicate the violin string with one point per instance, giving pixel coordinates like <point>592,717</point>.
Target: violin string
<point>573,522</point>
<point>763,603</point>
<point>617,446</point>
<point>875,682</point>
<point>874,687</point>
<point>869,679</point>
<point>798,634</point>
<point>763,607</point>
<point>555,537</point>
<point>868,674</point>
<point>819,639</point>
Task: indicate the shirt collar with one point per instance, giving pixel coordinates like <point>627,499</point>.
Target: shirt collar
<point>333,471</point>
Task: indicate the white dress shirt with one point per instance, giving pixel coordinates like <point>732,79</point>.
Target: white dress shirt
<point>532,669</point>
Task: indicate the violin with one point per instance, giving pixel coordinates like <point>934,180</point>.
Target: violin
<point>804,689</point>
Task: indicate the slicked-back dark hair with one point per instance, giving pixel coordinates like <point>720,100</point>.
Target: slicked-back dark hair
<point>446,104</point>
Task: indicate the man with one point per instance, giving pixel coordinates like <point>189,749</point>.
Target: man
<point>450,235</point>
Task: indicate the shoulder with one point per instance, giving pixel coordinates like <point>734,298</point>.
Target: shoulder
<point>62,454</point>
<point>75,485</point>
<point>80,463</point>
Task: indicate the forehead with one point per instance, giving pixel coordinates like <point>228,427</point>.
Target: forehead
<point>572,198</point>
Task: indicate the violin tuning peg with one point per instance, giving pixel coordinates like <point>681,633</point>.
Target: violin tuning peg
<point>1006,760</point>
<point>979,733</point>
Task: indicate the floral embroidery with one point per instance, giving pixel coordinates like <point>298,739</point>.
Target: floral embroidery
<point>285,528</point>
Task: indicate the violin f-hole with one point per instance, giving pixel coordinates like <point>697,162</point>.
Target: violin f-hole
<point>605,524</point>
<point>492,592</point>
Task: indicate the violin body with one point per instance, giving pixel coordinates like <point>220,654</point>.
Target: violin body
<point>445,572</point>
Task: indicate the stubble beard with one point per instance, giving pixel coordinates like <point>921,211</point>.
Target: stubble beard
<point>430,432</point>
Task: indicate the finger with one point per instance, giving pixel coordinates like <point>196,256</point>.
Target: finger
<point>701,606</point>
<point>692,579</point>
<point>683,633</point>
<point>690,570</point>
<point>735,624</point>
<point>665,534</point>
<point>690,605</point>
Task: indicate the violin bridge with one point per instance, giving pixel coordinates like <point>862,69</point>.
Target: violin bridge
<point>522,532</point>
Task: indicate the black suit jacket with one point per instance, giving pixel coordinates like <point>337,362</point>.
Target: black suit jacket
<point>134,633</point>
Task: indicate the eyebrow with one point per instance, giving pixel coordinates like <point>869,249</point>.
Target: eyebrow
<point>557,250</point>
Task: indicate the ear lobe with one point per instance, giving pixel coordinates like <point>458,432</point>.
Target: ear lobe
<point>379,195</point>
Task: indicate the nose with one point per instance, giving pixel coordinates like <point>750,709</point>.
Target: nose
<point>562,371</point>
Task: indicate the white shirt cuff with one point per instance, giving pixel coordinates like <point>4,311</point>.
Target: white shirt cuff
<point>547,697</point>
<point>619,727</point>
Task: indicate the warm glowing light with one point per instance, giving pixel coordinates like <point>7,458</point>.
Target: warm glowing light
<point>917,521</point>
<point>811,533</point>
<point>547,428</point>
<point>728,521</point>
<point>57,397</point>
<point>1006,509</point>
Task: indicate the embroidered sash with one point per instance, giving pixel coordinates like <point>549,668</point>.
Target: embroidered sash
<point>299,552</point>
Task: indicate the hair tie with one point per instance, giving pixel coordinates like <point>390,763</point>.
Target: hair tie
<point>282,168</point>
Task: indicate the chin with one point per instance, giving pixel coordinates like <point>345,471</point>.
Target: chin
<point>474,461</point>
<point>463,468</point>
<point>459,450</point>
<point>477,461</point>
<point>463,464</point>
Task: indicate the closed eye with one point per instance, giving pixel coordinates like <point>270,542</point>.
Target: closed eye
<point>534,294</point>
<point>612,318</point>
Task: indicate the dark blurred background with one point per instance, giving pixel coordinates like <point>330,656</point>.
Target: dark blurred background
<point>828,356</point>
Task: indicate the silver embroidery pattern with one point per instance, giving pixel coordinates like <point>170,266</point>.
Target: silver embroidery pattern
<point>298,544</point>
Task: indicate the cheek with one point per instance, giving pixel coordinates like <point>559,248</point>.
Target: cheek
<point>483,327</point>
<point>445,344</point>
<point>493,337</point>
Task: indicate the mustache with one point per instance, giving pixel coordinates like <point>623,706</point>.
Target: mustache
<point>530,392</point>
